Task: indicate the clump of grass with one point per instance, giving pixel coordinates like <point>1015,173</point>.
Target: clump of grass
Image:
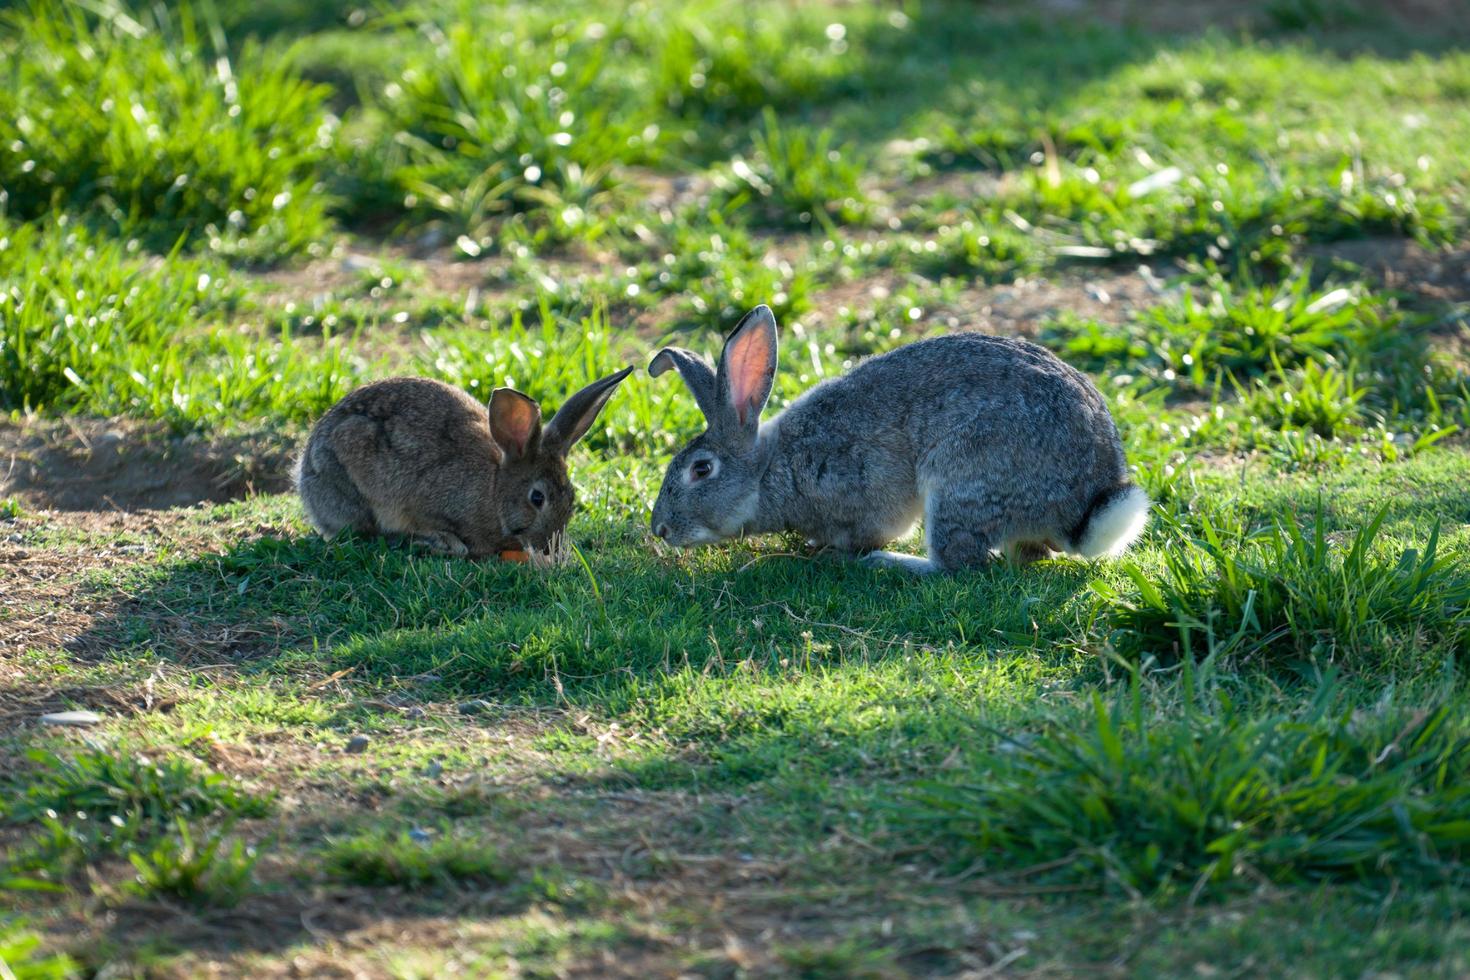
<point>499,113</point>
<point>97,801</point>
<point>1321,398</point>
<point>1011,136</point>
<point>1224,328</point>
<point>568,892</point>
<point>415,860</point>
<point>1149,800</point>
<point>90,325</point>
<point>798,178</point>
<point>130,123</point>
<point>1265,223</point>
<point>718,271</point>
<point>847,958</point>
<point>1246,331</point>
<point>1256,168</point>
<point>721,63</point>
<point>70,304</point>
<point>128,788</point>
<point>993,253</point>
<point>1290,593</point>
<point>202,872</point>
<point>22,958</point>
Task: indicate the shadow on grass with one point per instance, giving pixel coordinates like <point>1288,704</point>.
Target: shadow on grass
<point>596,636</point>
<point>632,628</point>
<point>575,849</point>
<point>792,699</point>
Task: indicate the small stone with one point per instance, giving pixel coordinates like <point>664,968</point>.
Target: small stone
<point>474,707</point>
<point>420,836</point>
<point>433,769</point>
<point>74,719</point>
<point>415,712</point>
<point>357,744</point>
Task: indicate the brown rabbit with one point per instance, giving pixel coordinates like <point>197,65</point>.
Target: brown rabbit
<point>421,459</point>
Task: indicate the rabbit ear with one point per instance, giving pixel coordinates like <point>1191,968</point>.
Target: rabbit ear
<point>697,374</point>
<point>748,370</point>
<point>576,416</point>
<point>515,422</point>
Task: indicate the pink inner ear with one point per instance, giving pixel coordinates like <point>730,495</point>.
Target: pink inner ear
<point>748,362</point>
<point>515,421</point>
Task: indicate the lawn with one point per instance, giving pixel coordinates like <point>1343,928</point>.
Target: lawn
<point>1242,749</point>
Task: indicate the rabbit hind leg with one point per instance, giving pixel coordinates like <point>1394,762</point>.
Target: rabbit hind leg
<point>332,502</point>
<point>1026,552</point>
<point>961,529</point>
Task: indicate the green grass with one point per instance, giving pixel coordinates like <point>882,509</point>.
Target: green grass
<point>167,817</point>
<point>138,126</point>
<point>103,785</point>
<point>415,859</point>
<point>1140,801</point>
<point>20,953</point>
<point>750,759</point>
<point>1291,592</point>
<point>797,178</point>
<point>197,872</point>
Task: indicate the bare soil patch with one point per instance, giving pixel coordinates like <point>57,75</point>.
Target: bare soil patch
<point>43,607</point>
<point>1431,281</point>
<point>1428,277</point>
<point>1110,296</point>
<point>1201,15</point>
<point>1016,309</point>
<point>44,603</point>
<point>100,464</point>
<point>435,268</point>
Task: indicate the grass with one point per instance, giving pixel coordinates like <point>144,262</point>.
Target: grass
<point>105,785</point>
<point>1291,592</point>
<point>95,803</point>
<point>197,872</point>
<point>751,759</point>
<point>138,126</point>
<point>415,859</point>
<point>798,177</point>
<point>20,953</point>
<point>1141,801</point>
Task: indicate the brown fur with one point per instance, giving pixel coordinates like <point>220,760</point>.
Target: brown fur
<point>421,459</point>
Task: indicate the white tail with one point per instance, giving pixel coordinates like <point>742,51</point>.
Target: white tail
<point>1113,526</point>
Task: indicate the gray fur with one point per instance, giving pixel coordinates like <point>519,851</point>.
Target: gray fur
<point>996,443</point>
<point>696,372</point>
<point>415,458</point>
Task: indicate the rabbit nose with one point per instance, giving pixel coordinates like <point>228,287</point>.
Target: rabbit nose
<point>662,530</point>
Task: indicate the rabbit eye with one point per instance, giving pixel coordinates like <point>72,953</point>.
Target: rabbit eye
<point>701,469</point>
<point>538,499</point>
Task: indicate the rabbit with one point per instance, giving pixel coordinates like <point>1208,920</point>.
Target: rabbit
<point>996,443</point>
<point>420,459</point>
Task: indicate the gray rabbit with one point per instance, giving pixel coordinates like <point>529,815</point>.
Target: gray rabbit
<point>995,443</point>
<point>421,459</point>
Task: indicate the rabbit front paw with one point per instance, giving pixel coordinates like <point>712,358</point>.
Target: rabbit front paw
<point>892,559</point>
<point>443,543</point>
